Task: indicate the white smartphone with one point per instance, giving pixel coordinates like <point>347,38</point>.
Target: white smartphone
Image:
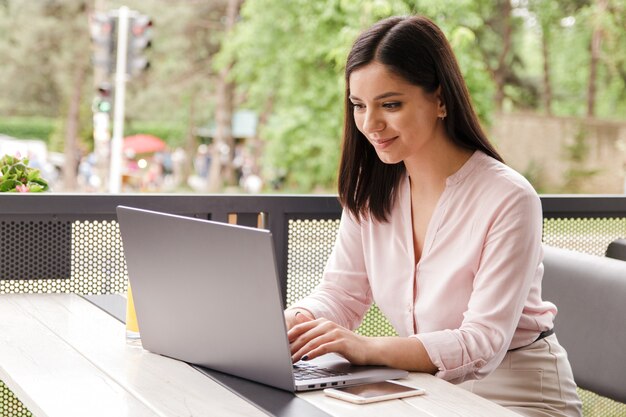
<point>377,391</point>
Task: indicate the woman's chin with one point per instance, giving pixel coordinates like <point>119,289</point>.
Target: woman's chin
<point>385,158</point>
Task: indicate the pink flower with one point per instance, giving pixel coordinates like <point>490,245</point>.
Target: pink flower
<point>22,188</point>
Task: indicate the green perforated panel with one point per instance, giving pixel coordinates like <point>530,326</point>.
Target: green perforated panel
<point>310,243</point>
<point>98,267</point>
<point>584,235</point>
<point>596,406</point>
<point>10,406</point>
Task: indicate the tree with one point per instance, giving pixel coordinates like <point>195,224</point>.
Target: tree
<point>548,15</point>
<point>287,60</point>
<point>501,24</point>
<point>584,41</point>
<point>224,108</point>
<point>180,78</point>
<point>289,57</point>
<point>79,77</point>
<point>46,69</point>
<point>183,83</point>
<point>28,70</point>
<point>595,46</point>
<point>609,17</point>
<point>552,17</point>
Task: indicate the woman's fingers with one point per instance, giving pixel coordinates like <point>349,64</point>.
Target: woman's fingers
<point>320,347</point>
<point>304,333</point>
<point>305,348</point>
<point>301,328</point>
<point>295,317</point>
<point>318,337</point>
<point>333,346</point>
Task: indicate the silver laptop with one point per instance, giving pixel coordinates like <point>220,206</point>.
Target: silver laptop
<point>208,293</point>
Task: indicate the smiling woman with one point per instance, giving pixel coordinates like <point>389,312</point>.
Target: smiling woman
<point>438,231</point>
<point>397,117</point>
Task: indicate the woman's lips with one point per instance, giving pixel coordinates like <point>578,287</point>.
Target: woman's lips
<point>382,143</point>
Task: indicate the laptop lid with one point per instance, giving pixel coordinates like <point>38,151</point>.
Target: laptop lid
<point>208,293</point>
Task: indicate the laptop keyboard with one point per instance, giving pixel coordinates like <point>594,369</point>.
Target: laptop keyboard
<point>305,371</point>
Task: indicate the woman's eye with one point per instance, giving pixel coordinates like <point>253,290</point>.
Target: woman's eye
<point>392,105</point>
<point>357,106</point>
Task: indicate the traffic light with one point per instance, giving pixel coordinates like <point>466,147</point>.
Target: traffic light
<point>104,40</point>
<point>103,101</point>
<point>139,39</point>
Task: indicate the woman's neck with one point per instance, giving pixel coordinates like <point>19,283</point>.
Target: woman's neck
<point>429,171</point>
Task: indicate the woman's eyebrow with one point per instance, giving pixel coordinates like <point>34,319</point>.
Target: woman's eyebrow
<point>378,97</point>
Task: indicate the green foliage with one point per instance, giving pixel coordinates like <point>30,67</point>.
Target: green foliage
<point>289,56</point>
<point>42,44</point>
<point>17,176</point>
<point>288,60</point>
<point>50,129</point>
<point>568,25</point>
<point>611,101</point>
<point>27,127</point>
<point>39,50</point>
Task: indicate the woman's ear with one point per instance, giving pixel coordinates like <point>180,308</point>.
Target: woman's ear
<point>441,106</point>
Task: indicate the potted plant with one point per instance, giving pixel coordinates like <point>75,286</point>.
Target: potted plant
<point>17,176</point>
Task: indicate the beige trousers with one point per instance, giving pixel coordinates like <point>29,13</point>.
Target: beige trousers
<point>534,381</point>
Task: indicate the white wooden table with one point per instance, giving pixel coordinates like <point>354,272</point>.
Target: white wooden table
<point>62,356</point>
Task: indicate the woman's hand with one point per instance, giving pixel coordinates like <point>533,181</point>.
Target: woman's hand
<point>312,338</point>
<point>297,316</point>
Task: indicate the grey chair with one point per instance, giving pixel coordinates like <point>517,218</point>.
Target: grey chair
<point>617,249</point>
<point>590,293</point>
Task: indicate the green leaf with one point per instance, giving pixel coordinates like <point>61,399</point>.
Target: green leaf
<point>40,182</point>
<point>16,172</point>
<point>8,185</point>
<point>32,174</point>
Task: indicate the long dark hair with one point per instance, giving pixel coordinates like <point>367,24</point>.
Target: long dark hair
<point>415,49</point>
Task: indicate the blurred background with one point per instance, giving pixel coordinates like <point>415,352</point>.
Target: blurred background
<point>247,95</point>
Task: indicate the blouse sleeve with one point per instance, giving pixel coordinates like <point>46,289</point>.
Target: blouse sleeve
<point>510,263</point>
<point>344,295</point>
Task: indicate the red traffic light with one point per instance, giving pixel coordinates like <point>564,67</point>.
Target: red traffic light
<point>140,25</point>
<point>101,26</point>
<point>140,40</point>
<point>105,90</point>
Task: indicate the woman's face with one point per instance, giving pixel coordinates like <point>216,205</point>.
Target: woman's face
<point>399,119</point>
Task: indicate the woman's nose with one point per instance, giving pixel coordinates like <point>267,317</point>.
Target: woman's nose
<point>372,122</point>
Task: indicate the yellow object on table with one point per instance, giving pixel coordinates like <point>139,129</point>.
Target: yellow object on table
<point>132,327</point>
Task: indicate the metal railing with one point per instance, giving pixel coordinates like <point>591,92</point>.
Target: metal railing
<point>71,243</point>
<point>43,236</point>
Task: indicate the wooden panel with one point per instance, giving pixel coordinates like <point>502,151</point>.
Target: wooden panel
<point>51,378</point>
<point>63,356</point>
<point>164,386</point>
<point>441,399</point>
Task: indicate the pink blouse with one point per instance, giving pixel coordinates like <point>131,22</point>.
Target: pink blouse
<point>475,292</point>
